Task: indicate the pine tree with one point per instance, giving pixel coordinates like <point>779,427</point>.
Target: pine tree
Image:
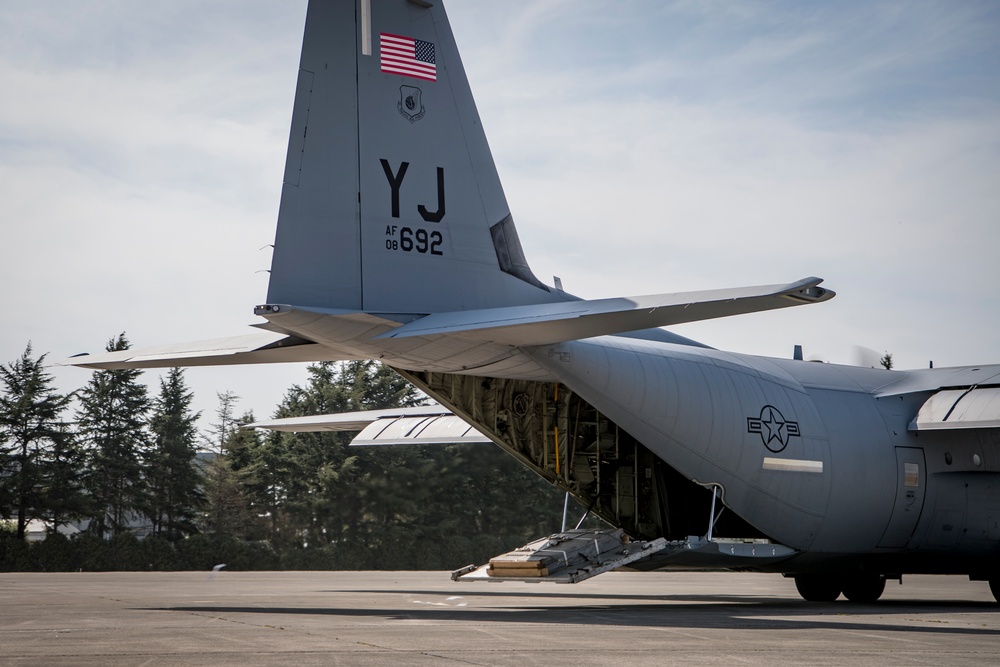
<point>313,482</point>
<point>228,511</point>
<point>112,424</point>
<point>35,443</point>
<point>253,470</point>
<point>226,514</point>
<point>221,430</point>
<point>174,481</point>
<point>388,507</point>
<point>63,465</point>
<point>64,499</point>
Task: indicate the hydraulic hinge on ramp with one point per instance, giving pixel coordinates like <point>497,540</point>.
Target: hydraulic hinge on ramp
<point>565,558</point>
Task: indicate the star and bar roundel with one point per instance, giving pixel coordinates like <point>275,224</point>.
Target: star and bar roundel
<point>775,431</point>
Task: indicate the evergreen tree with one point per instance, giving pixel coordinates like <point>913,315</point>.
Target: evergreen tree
<point>112,424</point>
<point>886,361</point>
<point>220,431</point>
<point>256,472</point>
<point>174,481</point>
<point>241,442</point>
<point>64,499</point>
<point>36,444</point>
<point>226,514</point>
<point>399,506</point>
<point>312,478</point>
<point>227,477</point>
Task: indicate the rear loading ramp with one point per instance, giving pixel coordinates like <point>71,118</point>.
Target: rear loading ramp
<point>563,558</point>
<point>575,555</point>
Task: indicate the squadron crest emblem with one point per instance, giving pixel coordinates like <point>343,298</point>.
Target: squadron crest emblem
<point>410,104</point>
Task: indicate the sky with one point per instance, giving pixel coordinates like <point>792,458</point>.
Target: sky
<point>645,147</point>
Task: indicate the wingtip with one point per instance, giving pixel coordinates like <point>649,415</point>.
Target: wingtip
<point>809,291</point>
<point>72,360</point>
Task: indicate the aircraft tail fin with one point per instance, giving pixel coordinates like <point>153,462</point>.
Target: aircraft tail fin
<point>391,201</point>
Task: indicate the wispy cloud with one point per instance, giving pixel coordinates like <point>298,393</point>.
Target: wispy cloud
<point>644,146</point>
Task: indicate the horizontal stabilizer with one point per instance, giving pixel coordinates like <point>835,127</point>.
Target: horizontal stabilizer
<point>424,425</point>
<point>258,348</point>
<point>544,324</point>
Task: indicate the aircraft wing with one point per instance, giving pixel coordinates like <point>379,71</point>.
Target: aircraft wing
<point>544,324</point>
<point>539,324</point>
<point>423,425</point>
<point>965,397</point>
<point>258,348</point>
<point>964,408</point>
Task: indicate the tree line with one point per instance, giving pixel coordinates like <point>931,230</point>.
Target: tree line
<point>112,457</point>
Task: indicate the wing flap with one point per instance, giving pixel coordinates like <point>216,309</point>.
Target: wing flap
<point>951,409</point>
<point>423,425</point>
<point>552,323</point>
<point>446,429</point>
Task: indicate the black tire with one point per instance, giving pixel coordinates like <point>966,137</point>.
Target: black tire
<point>864,588</point>
<point>995,588</point>
<point>818,587</point>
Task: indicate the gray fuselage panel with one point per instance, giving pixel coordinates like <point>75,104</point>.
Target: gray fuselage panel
<point>805,452</point>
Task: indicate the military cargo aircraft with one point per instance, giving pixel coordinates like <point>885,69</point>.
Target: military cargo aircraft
<point>395,242</point>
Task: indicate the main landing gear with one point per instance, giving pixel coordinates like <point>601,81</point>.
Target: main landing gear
<point>863,588</point>
<point>860,588</point>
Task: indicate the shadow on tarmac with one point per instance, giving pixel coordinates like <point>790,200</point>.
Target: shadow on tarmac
<point>742,599</point>
<point>705,612</point>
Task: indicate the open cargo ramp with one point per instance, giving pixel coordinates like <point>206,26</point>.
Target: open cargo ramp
<point>574,555</point>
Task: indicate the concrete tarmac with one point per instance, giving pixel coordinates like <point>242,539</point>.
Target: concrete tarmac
<point>423,618</point>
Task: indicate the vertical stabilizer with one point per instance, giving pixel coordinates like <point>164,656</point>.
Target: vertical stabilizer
<point>317,246</point>
<point>391,202</point>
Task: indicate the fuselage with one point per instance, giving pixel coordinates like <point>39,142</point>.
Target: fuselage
<point>818,457</point>
<point>815,456</point>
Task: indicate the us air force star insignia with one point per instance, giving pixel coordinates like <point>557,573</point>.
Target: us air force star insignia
<point>410,105</point>
<point>774,430</point>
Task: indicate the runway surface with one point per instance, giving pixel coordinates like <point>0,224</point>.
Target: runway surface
<point>423,618</point>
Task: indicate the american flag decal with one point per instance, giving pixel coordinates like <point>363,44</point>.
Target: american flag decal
<point>407,56</point>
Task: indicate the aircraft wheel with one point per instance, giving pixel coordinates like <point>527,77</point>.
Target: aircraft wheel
<point>864,588</point>
<point>818,587</point>
<point>995,588</point>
